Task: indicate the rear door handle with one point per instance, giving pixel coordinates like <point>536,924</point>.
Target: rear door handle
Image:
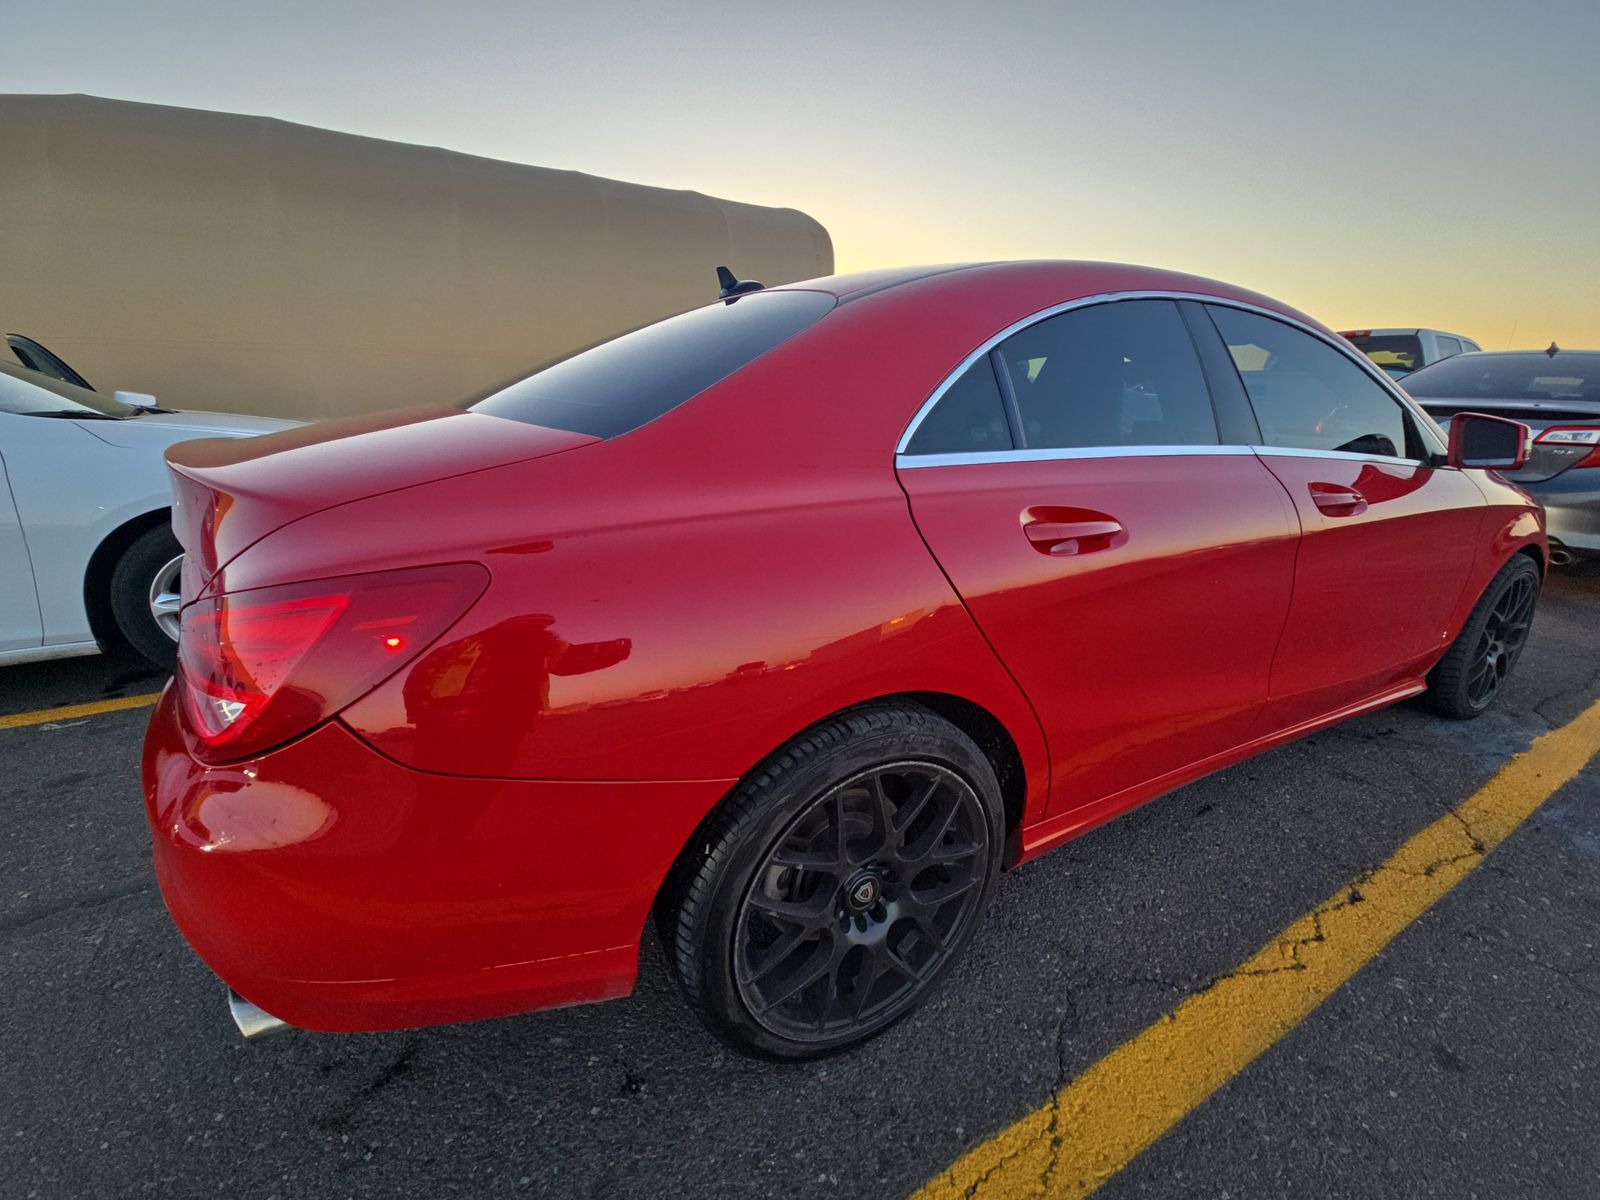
<point>1337,500</point>
<point>1061,538</point>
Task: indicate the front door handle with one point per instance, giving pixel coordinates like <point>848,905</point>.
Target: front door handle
<point>1337,500</point>
<point>1061,538</point>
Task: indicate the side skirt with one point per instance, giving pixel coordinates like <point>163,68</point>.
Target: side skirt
<point>45,653</point>
<point>1048,834</point>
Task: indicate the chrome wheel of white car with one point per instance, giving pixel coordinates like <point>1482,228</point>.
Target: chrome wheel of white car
<point>164,600</point>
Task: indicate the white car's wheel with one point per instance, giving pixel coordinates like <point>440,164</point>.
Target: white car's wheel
<point>164,600</point>
<point>144,595</point>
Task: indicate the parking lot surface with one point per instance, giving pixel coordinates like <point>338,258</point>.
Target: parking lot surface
<point>1462,1060</point>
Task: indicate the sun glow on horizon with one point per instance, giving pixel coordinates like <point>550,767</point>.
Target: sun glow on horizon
<point>1428,165</point>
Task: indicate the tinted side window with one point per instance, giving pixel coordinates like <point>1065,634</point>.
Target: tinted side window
<point>1117,374</point>
<point>1306,394</point>
<point>621,384</point>
<point>969,417</point>
<point>1448,346</point>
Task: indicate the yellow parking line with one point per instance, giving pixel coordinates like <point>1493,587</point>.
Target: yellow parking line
<point>1099,1122</point>
<point>69,712</point>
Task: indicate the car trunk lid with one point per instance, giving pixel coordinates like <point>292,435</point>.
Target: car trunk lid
<point>229,492</point>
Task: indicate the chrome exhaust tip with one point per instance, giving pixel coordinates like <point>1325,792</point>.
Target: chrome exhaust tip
<point>253,1022</point>
<point>1560,556</point>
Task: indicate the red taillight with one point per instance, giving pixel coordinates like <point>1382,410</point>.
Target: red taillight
<point>1574,435</point>
<point>259,667</point>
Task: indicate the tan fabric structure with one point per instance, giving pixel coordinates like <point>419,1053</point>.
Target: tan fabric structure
<point>248,264</point>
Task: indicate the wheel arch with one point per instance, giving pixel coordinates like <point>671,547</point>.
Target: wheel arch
<point>988,732</point>
<point>998,746</point>
<point>97,575</point>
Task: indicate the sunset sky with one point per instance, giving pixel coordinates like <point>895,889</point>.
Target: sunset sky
<point>1434,163</point>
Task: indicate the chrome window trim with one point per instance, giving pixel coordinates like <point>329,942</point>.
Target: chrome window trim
<point>968,458</point>
<point>1407,404</point>
<point>1346,455</point>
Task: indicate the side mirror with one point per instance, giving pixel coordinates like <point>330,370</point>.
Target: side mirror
<point>1484,443</point>
<point>136,399</point>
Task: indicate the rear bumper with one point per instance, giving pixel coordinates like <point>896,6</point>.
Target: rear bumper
<point>339,890</point>
<point>1572,508</point>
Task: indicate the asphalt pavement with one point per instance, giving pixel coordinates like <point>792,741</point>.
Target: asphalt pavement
<point>1462,1061</point>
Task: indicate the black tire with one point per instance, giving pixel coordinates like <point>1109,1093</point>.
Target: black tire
<point>138,568</point>
<point>865,849</point>
<point>1464,683</point>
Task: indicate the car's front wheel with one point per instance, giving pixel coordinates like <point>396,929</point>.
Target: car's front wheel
<point>144,595</point>
<point>1467,679</point>
<point>832,889</point>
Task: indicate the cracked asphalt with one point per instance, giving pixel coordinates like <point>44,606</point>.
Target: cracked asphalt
<point>1462,1061</point>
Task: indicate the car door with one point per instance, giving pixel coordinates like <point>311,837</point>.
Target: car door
<point>1390,534</point>
<point>1130,566</point>
<point>20,626</point>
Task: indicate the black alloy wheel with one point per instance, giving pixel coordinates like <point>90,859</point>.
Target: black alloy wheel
<point>826,895</point>
<point>860,900</point>
<point>1475,668</point>
<point>1504,635</point>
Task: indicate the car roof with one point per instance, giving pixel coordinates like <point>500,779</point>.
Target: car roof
<point>1397,331</point>
<point>1544,354</point>
<point>1036,283</point>
<point>853,284</point>
<point>843,390</point>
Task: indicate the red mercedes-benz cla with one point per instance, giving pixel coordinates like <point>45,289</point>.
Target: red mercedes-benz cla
<point>793,621</point>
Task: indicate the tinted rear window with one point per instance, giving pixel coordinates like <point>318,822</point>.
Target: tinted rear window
<point>1510,377</point>
<point>621,384</point>
<point>1400,351</point>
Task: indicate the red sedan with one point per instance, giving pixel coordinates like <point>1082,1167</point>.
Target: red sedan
<point>792,621</point>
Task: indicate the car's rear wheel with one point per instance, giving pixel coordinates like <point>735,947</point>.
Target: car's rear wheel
<point>832,889</point>
<point>144,595</point>
<point>1475,668</point>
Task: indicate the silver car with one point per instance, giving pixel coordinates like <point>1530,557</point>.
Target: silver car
<point>1556,393</point>
<point>1401,351</point>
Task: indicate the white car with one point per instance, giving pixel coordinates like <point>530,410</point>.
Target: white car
<point>86,548</point>
<point>1402,351</point>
